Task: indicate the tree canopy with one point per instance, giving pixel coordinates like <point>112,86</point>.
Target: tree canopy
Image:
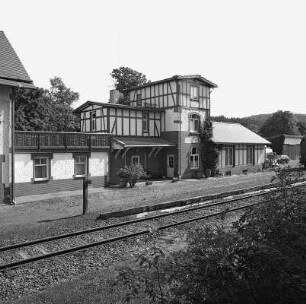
<point>126,78</point>
<point>46,110</point>
<point>281,122</point>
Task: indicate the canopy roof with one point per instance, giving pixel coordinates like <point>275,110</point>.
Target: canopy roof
<point>131,142</point>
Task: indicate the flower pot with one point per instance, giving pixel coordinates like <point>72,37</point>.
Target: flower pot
<point>207,173</point>
<point>122,183</point>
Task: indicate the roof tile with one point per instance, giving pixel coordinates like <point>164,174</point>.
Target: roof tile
<point>11,68</point>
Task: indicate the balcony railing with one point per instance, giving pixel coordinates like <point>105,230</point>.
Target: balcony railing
<point>31,140</point>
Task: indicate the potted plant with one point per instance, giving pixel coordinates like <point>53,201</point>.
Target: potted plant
<point>130,174</point>
<point>123,179</point>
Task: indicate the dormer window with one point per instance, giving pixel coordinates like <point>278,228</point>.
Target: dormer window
<point>194,123</point>
<point>194,92</point>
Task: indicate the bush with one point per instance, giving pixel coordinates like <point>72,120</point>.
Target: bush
<point>261,260</point>
<point>132,174</point>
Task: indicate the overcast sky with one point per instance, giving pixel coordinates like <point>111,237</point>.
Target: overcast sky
<point>254,50</point>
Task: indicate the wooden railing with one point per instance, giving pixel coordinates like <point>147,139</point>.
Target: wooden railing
<point>60,140</point>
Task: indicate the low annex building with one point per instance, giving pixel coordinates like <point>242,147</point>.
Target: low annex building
<point>240,149</point>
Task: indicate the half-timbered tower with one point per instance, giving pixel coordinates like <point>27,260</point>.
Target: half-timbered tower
<point>158,127</point>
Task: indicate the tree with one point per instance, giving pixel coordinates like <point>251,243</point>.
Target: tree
<point>281,122</point>
<point>46,110</point>
<point>126,78</point>
<point>209,151</point>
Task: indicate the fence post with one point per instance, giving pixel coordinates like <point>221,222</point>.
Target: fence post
<point>86,182</point>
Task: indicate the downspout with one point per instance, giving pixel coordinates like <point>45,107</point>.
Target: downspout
<point>180,132</point>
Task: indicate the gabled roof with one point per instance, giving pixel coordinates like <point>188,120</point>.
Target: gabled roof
<point>177,77</point>
<point>12,72</point>
<point>292,140</point>
<point>114,105</point>
<point>129,142</point>
<point>235,133</point>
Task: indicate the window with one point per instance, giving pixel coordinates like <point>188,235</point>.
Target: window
<point>135,160</point>
<point>229,156</point>
<point>194,123</point>
<point>41,168</point>
<point>93,121</point>
<point>138,100</point>
<point>171,161</point>
<point>145,122</point>
<point>80,165</point>
<point>194,158</point>
<point>194,92</point>
<point>250,155</point>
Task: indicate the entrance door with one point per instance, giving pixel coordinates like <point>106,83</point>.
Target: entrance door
<point>170,165</point>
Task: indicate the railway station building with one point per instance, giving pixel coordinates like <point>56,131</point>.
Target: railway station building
<point>155,124</point>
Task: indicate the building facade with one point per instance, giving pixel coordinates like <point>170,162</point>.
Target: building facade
<point>12,76</point>
<point>240,149</point>
<point>48,162</point>
<point>157,124</point>
<point>158,128</point>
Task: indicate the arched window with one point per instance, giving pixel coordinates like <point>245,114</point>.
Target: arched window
<point>194,158</point>
<point>194,123</point>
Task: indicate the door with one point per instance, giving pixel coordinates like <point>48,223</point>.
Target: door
<point>170,165</point>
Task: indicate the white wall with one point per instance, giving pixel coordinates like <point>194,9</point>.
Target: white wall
<point>98,163</point>
<point>23,168</point>
<point>5,132</point>
<point>62,166</point>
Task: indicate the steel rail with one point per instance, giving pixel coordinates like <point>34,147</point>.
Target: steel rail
<point>125,223</point>
<point>116,239</point>
<point>132,235</point>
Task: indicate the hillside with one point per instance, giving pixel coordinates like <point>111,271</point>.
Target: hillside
<point>255,122</point>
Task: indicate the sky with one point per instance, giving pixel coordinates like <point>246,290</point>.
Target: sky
<point>254,50</point>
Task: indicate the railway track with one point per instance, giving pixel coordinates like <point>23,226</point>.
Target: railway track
<point>17,255</point>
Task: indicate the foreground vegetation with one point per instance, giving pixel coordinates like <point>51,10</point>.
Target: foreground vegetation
<point>261,260</point>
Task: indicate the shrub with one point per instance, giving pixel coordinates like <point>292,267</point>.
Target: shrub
<point>209,151</point>
<point>261,260</point>
<point>132,174</point>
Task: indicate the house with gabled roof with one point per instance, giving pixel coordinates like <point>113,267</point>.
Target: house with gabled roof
<point>12,75</point>
<point>42,162</point>
<point>157,124</point>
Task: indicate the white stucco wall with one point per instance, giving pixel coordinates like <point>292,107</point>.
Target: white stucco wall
<point>23,168</point>
<point>62,166</point>
<point>5,132</point>
<point>98,164</point>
